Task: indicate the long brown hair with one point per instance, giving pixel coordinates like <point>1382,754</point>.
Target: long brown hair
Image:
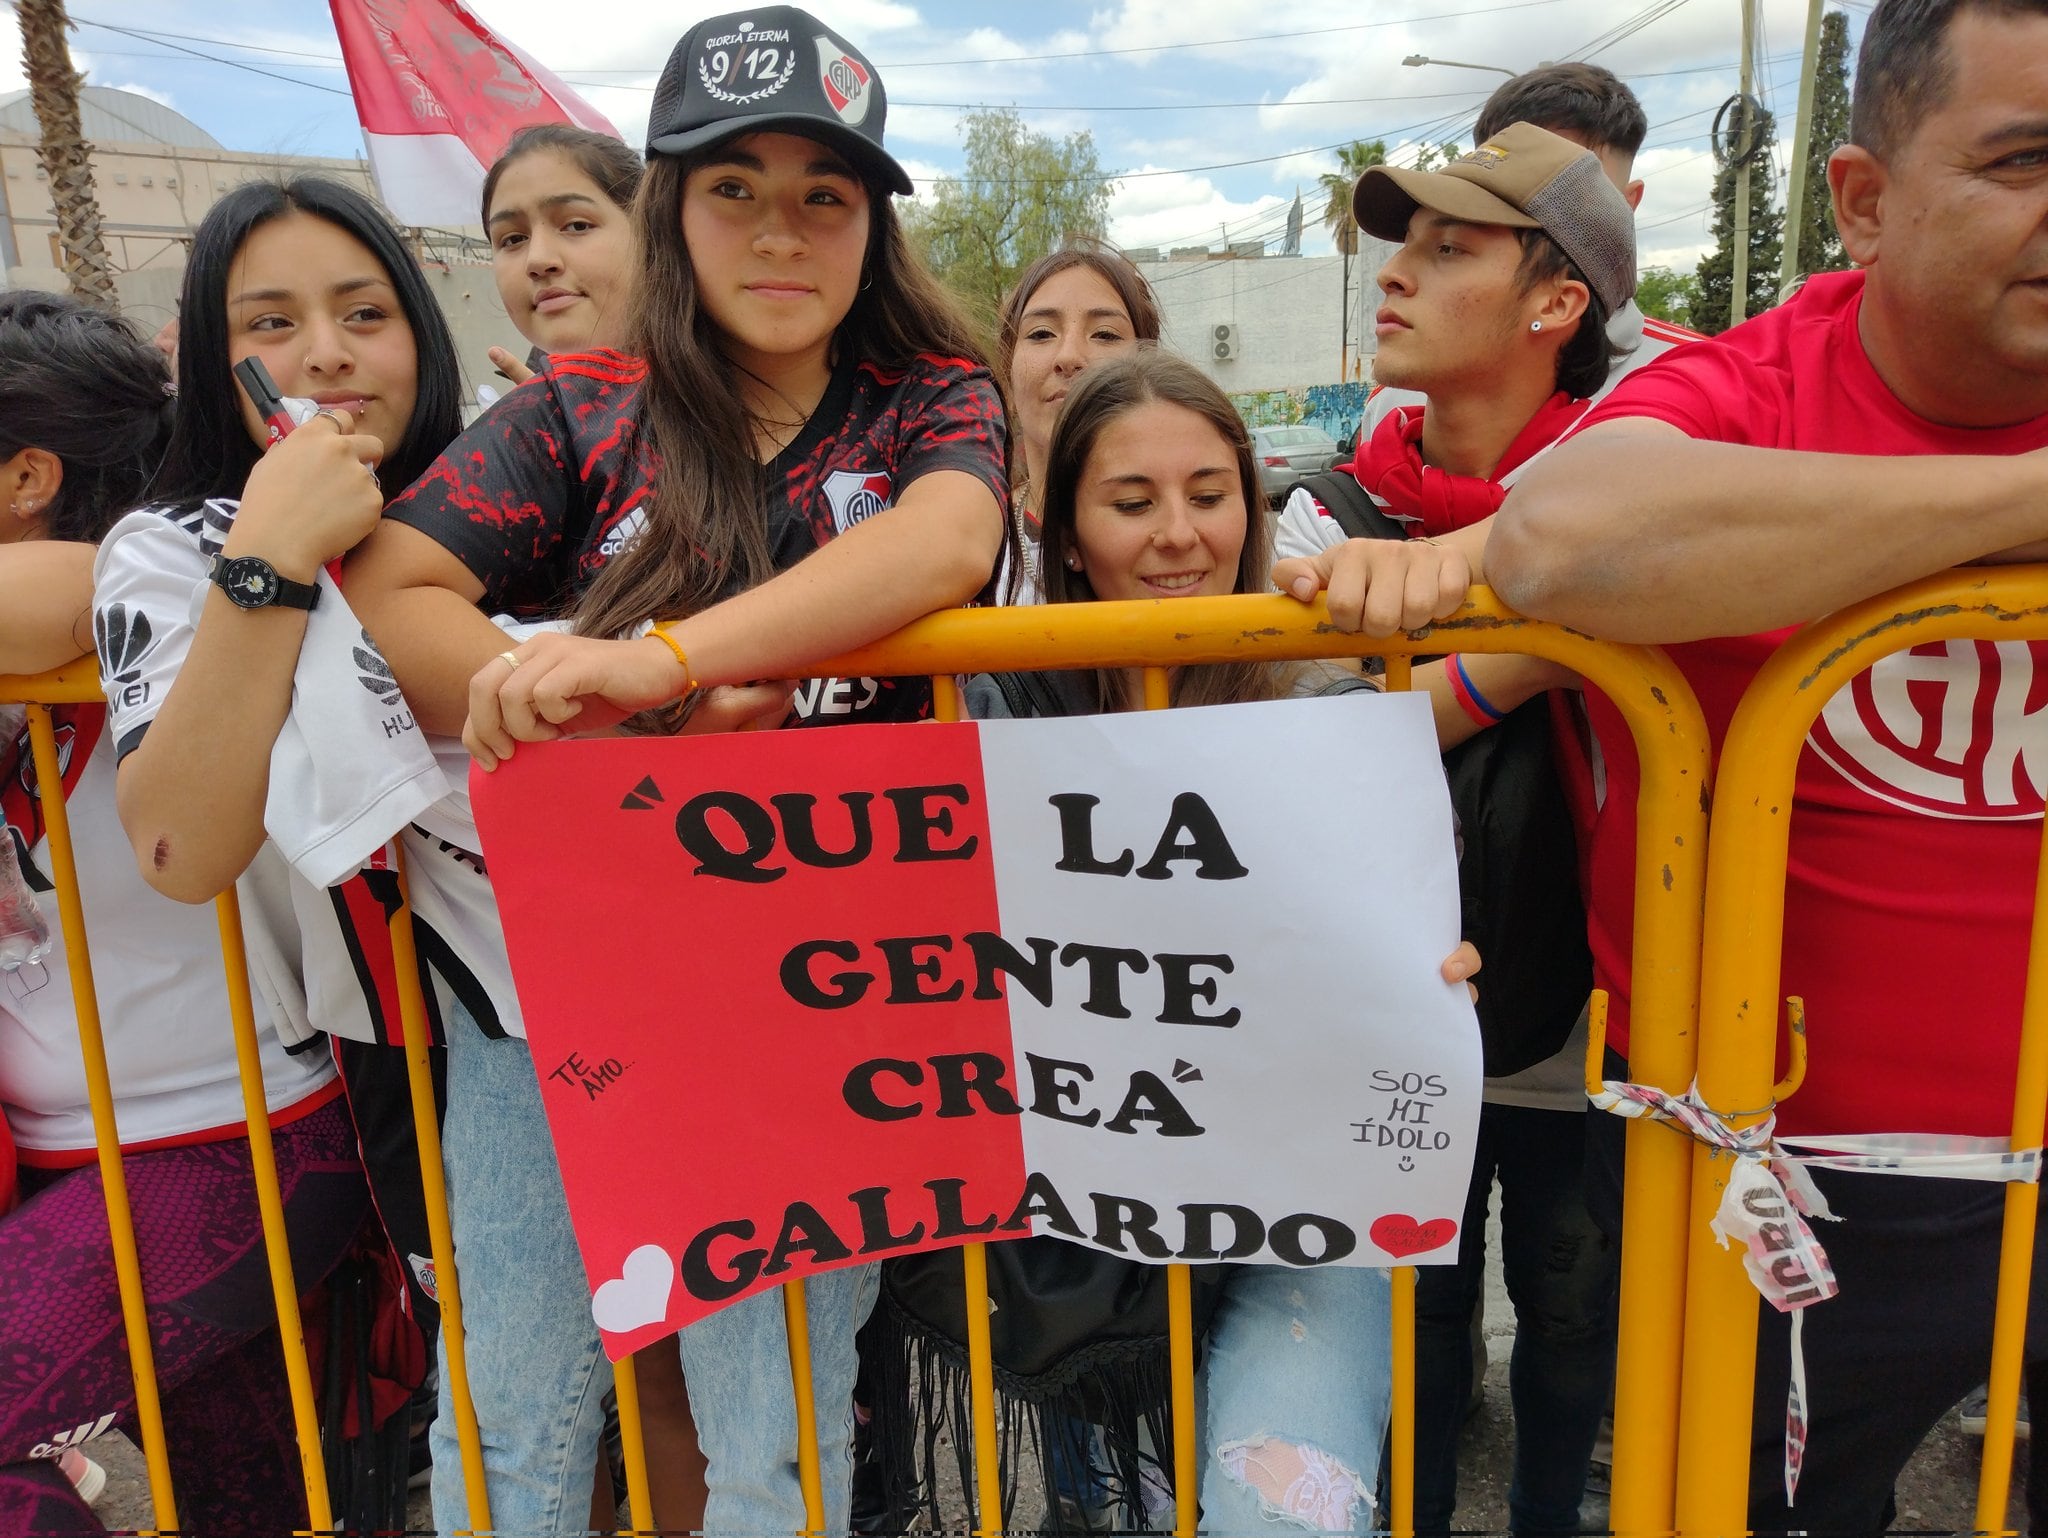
<point>705,538</point>
<point>1103,394</point>
<point>612,167</point>
<point>1107,263</point>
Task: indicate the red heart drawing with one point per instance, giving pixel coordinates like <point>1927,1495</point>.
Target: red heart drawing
<point>1399,1234</point>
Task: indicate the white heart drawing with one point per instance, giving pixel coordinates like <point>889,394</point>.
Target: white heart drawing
<point>639,1295</point>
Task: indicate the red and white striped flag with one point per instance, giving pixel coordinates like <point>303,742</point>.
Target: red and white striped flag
<point>439,97</point>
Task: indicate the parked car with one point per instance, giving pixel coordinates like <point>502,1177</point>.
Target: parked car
<point>1286,454</point>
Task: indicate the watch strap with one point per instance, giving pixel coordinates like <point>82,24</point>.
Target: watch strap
<point>284,593</point>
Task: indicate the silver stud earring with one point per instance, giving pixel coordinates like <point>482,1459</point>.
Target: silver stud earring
<point>1535,325</point>
<point>1073,562</point>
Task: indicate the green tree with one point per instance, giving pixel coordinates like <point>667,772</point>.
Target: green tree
<point>1353,161</point>
<point>1716,272</point>
<point>1431,157</point>
<point>1018,196</point>
<point>1668,295</point>
<point>1820,245</point>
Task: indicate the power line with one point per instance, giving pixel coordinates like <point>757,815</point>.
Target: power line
<point>310,85</point>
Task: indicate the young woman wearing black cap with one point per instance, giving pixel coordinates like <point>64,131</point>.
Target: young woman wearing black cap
<point>803,453</point>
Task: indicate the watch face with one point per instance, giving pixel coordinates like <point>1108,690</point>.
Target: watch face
<point>249,581</point>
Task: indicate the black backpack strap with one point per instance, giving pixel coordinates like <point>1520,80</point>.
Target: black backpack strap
<point>1038,696</point>
<point>1346,501</point>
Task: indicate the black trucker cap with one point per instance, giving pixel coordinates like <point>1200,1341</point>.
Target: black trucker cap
<point>772,69</point>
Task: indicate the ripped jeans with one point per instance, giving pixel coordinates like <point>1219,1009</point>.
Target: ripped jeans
<point>1296,1384</point>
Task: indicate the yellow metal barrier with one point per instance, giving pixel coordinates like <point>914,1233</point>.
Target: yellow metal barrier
<point>1671,743</point>
<point>1744,935</point>
<point>1671,811</point>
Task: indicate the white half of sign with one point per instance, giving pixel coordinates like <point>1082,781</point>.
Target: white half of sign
<point>1264,1048</point>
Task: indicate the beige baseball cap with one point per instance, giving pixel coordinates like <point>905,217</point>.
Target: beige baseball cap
<point>1526,178</point>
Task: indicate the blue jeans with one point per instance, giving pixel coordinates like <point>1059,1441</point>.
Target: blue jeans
<point>1562,1275</point>
<point>1296,1384</point>
<point>538,1372</point>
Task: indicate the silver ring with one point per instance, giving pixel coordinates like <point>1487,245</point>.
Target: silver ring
<point>332,416</point>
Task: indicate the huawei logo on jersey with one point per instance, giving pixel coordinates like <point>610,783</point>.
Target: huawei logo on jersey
<point>124,638</point>
<point>375,673</point>
<point>856,494</point>
<point>622,534</point>
<point>1950,729</point>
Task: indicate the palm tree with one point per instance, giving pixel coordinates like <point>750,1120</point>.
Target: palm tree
<point>66,157</point>
<point>1353,160</point>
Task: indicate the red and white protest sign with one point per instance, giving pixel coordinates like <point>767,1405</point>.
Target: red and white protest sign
<point>1165,983</point>
<point>439,97</point>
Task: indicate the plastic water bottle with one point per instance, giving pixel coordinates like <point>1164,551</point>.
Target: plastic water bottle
<point>24,932</point>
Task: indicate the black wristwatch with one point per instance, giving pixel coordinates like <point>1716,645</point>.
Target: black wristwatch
<point>253,583</point>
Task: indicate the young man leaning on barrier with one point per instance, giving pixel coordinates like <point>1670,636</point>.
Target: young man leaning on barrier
<point>1559,1268</point>
<point>1496,302</point>
<point>1878,426</point>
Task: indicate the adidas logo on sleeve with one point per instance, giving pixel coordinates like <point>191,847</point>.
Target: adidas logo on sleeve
<point>622,534</point>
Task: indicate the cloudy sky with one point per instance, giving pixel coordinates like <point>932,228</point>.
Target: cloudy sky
<point>1214,111</point>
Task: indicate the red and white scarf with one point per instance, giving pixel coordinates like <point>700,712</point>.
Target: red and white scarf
<point>1429,501</point>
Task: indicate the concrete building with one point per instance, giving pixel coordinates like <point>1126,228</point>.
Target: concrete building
<point>1256,324</point>
<point>157,173</point>
<point>1271,330</point>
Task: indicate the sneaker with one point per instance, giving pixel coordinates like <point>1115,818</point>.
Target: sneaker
<point>87,1477</point>
<point>1976,1413</point>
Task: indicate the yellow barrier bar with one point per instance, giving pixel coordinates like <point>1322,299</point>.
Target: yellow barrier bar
<point>75,683</point>
<point>1180,1349</point>
<point>2016,1244</point>
<point>1399,679</point>
<point>1401,1425</point>
<point>426,1126</point>
<point>633,1442</point>
<point>796,1324</point>
<point>1180,1304</point>
<point>947,705</point>
<point>99,1088</point>
<point>276,1240</point>
<point>1671,821</point>
<point>981,1388</point>
<point>1744,935</point>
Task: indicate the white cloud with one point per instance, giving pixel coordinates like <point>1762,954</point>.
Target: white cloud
<point>1184,210</point>
<point>12,77</point>
<point>161,98</point>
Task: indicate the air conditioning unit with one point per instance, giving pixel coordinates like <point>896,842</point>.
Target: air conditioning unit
<point>1223,342</point>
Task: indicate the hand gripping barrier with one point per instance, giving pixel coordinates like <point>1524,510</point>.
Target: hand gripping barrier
<point>1745,923</point>
<point>1671,742</point>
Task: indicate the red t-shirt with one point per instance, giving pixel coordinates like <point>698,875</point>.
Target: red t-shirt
<point>1917,825</point>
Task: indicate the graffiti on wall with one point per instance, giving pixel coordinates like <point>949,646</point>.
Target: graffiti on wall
<point>1335,408</point>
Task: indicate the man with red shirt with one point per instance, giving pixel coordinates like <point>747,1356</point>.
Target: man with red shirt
<point>1878,426</point>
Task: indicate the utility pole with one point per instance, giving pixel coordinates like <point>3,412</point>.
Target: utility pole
<point>1745,139</point>
<point>67,159</point>
<point>1802,142</point>
<point>1344,314</point>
